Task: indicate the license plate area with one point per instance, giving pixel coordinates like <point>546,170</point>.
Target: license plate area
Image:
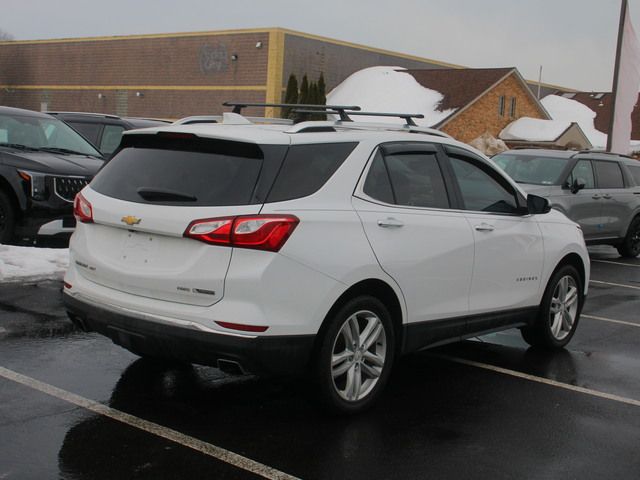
<point>140,249</point>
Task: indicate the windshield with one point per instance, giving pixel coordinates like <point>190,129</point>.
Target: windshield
<point>41,133</point>
<point>532,169</point>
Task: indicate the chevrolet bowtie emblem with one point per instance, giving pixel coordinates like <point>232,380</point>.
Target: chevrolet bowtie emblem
<point>131,220</point>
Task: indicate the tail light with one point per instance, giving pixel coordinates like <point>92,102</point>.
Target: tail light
<point>82,209</point>
<point>259,232</point>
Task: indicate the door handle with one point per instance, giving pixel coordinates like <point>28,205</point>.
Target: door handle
<point>390,223</point>
<point>484,227</point>
<point>606,195</point>
<point>595,197</point>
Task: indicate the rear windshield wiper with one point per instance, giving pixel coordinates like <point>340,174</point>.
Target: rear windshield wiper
<point>66,151</point>
<point>18,146</point>
<point>162,194</point>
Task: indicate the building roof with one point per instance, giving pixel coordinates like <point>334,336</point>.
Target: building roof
<point>462,87</point>
<point>459,86</point>
<point>602,104</point>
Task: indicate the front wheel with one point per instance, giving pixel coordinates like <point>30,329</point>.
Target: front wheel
<point>7,218</point>
<point>559,311</point>
<point>355,355</point>
<point>630,246</point>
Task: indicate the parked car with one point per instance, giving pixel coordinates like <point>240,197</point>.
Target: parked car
<point>599,191</point>
<point>321,248</point>
<point>105,131</point>
<point>43,164</point>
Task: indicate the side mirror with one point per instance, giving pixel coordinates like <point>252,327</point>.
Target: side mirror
<point>537,205</point>
<point>577,185</point>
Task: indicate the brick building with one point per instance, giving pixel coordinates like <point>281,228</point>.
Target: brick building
<point>175,75</point>
<point>485,100</point>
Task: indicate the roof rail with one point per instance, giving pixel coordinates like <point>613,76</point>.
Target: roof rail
<point>604,152</point>
<point>407,117</point>
<point>311,126</point>
<point>196,119</point>
<point>337,109</point>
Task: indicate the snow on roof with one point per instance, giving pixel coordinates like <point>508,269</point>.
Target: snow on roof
<point>535,130</point>
<point>31,263</point>
<point>565,109</point>
<point>389,89</point>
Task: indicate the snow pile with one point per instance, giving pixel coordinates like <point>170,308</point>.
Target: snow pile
<point>30,263</point>
<point>567,110</point>
<point>489,145</point>
<point>389,89</point>
<point>534,129</point>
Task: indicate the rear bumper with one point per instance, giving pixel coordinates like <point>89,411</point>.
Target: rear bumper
<point>270,355</point>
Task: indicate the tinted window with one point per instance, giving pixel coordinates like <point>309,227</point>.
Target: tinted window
<point>582,171</point>
<point>416,180</point>
<point>531,169</point>
<point>378,185</point>
<point>609,175</point>
<point>306,168</point>
<point>224,174</point>
<point>635,171</point>
<point>110,138</point>
<point>90,131</point>
<point>480,190</point>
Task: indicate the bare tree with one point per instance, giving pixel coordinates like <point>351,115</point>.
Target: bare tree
<point>4,36</point>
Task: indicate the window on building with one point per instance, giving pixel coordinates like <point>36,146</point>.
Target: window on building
<point>512,111</point>
<point>501,106</point>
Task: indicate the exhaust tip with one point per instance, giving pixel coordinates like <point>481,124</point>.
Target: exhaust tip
<point>231,367</point>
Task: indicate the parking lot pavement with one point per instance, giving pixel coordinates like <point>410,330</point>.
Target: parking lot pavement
<point>73,405</point>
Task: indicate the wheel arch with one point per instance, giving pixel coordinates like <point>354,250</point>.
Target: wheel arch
<point>376,288</point>
<point>574,260</point>
<point>7,188</point>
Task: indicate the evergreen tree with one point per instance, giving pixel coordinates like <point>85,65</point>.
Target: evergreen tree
<point>291,95</point>
<point>304,91</point>
<point>322,90</point>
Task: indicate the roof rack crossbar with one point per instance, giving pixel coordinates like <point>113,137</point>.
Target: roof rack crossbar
<point>337,109</point>
<point>407,117</point>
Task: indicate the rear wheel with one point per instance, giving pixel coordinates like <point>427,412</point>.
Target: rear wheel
<point>559,311</point>
<point>630,246</point>
<point>355,355</point>
<point>7,218</point>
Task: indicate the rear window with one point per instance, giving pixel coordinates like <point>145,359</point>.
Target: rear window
<point>307,168</point>
<point>217,173</point>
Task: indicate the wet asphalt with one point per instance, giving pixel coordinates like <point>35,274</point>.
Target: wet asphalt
<point>485,408</point>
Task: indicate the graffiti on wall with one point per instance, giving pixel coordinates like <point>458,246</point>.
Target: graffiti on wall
<point>213,59</point>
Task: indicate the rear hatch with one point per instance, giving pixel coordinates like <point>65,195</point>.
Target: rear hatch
<point>144,199</point>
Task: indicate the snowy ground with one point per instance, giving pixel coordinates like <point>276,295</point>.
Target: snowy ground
<point>19,264</point>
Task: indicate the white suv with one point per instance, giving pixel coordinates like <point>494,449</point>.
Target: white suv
<point>324,247</point>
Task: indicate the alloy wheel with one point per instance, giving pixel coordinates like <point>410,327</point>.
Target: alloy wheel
<point>564,307</point>
<point>358,355</point>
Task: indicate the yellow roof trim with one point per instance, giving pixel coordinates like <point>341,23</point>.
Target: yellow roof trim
<point>109,38</point>
<point>260,88</point>
<point>367,48</point>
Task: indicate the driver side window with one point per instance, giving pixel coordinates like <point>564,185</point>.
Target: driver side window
<point>481,191</point>
<point>583,171</point>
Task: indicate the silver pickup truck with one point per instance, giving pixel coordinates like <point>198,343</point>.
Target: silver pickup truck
<point>599,191</point>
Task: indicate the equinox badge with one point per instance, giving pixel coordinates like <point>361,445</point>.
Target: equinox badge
<point>131,220</point>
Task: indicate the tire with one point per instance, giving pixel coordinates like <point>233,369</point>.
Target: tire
<point>356,381</point>
<point>630,246</point>
<point>7,218</point>
<point>559,311</point>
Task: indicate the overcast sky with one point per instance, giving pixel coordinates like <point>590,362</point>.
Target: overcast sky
<point>574,40</point>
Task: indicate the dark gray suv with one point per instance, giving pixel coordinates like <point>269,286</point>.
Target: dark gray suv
<point>599,191</point>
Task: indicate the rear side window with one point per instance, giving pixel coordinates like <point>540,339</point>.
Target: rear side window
<point>635,171</point>
<point>220,173</point>
<point>307,168</point>
<point>609,175</point>
<point>111,138</point>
